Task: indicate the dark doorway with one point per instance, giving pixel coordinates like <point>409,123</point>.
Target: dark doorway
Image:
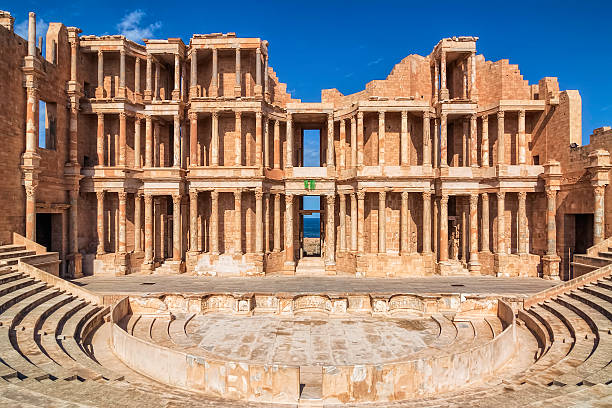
<point>583,232</point>
<point>578,238</point>
<point>310,226</point>
<point>44,230</point>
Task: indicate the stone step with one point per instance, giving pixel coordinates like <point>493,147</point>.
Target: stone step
<point>591,260</point>
<point>12,248</point>
<point>15,254</point>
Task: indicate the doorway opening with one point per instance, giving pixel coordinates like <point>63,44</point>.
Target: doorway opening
<point>310,226</point>
<point>311,151</point>
<point>49,231</point>
<point>578,241</point>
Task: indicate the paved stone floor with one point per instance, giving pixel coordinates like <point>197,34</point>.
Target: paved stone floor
<point>138,284</point>
<point>310,340</point>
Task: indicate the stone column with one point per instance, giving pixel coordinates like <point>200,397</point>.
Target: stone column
<point>176,162</point>
<point>265,82</point>
<point>473,90</point>
<point>443,143</point>
<point>474,265</point>
<point>258,222</point>
<point>435,144</point>
<point>522,223</point>
<point>521,137</point>
<point>258,87</point>
<point>473,141</point>
<point>330,140</point>
<point>444,94</point>
<point>137,222</point>
<point>32,120</point>
<point>193,221</point>
<point>238,222</point>
<point>193,139</point>
<point>353,222</point>
<point>214,141</point>
<point>74,222</point>
<point>426,140</point>
<point>148,80</point>
<point>276,144</point>
<point>289,228</point>
<point>100,222</point>
<point>599,215</point>
<point>360,221</point>
<point>289,162</point>
<point>137,148</point>
<point>551,259</point>
<point>405,159</point>
<point>266,147</point>
<point>148,141</point>
<point>100,139</point>
<point>156,93</point>
<point>353,142</point>
<point>122,218</point>
<point>436,81</point>
<point>238,144</point>
<point>382,222</point>
<point>443,228</point>
<point>360,139</point>
<point>193,80</point>
<point>342,222</point>
<point>214,79</point>
<point>122,138</point>
<point>238,87</point>
<point>148,257</point>
<point>258,146</point>
<point>176,92</point>
<point>122,73</point>
<point>342,144</point>
<point>137,90</point>
<point>381,138</point>
<point>267,223</point>
<point>485,222</point>
<point>277,229</point>
<point>404,224</point>
<point>214,222</point>
<point>500,138</point>
<point>330,233</point>
<point>100,87</point>
<point>501,235</point>
<point>485,141</point>
<point>464,143</point>
<point>177,253</point>
<point>426,222</point>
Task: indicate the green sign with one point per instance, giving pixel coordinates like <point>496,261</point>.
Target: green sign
<point>309,184</point>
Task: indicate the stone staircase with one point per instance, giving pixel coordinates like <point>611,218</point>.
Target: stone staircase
<point>310,266</point>
<point>596,257</point>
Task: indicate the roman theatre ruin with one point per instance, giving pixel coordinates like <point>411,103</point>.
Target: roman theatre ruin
<point>153,249</point>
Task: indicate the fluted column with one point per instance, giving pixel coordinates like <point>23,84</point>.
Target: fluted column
<point>444,94</point>
<point>148,257</point>
<point>266,146</point>
<point>148,141</point>
<point>193,139</point>
<point>214,85</point>
<point>474,265</point>
<point>258,146</point>
<point>521,137</point>
<point>100,87</point>
<point>100,222</point>
<point>238,87</point>
<point>360,221</point>
<point>360,139</point>
<point>258,221</point>
<point>193,81</point>
<point>443,141</point>
<point>426,140</point>
<point>238,144</point>
<point>122,137</point>
<point>32,120</point>
<point>551,225</point>
<point>330,233</point>
<point>353,141</point>
<point>599,214</point>
<point>500,138</point>
<point>238,222</point>
<point>436,143</point>
<point>405,159</point>
<point>277,228</point>
<point>214,222</point>
<point>176,227</point>
<point>501,235</point>
<point>473,142</point>
<point>258,87</point>
<point>137,222</point>
<point>443,228</point>
<point>473,89</point>
<point>342,164</point>
<point>382,222</point>
<point>381,138</point>
<point>276,144</point>
<point>148,80</point>
<point>289,228</point>
<point>289,162</point>
<point>426,222</point>
<point>214,143</point>
<point>137,148</point>
<point>100,139</point>
<point>484,147</point>
<point>74,221</point>
<point>267,223</point>
<point>522,223</point>
<point>176,160</point>
<point>122,73</point>
<point>176,91</point>
<point>266,83</point>
<point>353,222</point>
<point>330,140</point>
<point>342,197</point>
<point>193,221</point>
<point>485,222</point>
<point>122,219</point>
<point>405,224</point>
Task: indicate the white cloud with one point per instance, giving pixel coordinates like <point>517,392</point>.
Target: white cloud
<point>376,61</point>
<point>21,29</point>
<point>131,26</point>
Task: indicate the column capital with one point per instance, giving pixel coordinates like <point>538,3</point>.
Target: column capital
<point>473,117</point>
<point>426,114</point>
<point>148,198</point>
<point>214,194</point>
<point>100,53</point>
<point>382,194</point>
<point>342,196</point>
<point>473,202</point>
<point>100,115</point>
<point>444,200</point>
<point>122,115</point>
<point>360,195</point>
<point>215,114</point>
<point>550,194</point>
<point>122,51</point>
<point>404,114</point>
<point>258,115</point>
<point>238,114</point>
<point>238,192</point>
<point>122,195</point>
<point>426,195</point>
<point>500,114</point>
<point>500,195</point>
<point>193,195</point>
<point>289,198</point>
<point>522,195</point>
<point>485,118</point>
<point>193,115</point>
<point>360,115</point>
<point>258,194</point>
<point>522,113</point>
<point>406,194</point>
<point>99,194</point>
<point>485,196</point>
<point>330,198</point>
<point>30,191</point>
<point>176,198</point>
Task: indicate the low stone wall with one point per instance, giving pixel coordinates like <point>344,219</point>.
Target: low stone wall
<point>394,265</point>
<point>226,379</point>
<point>515,265</point>
<point>206,264</point>
<point>419,378</point>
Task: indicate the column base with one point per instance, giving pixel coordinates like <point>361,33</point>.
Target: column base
<point>474,267</point>
<point>148,95</point>
<point>176,95</point>
<point>121,93</point>
<point>550,267</point>
<point>99,92</point>
<point>289,268</point>
<point>258,90</point>
<point>237,91</point>
<point>214,91</point>
<point>75,265</point>
<point>193,92</point>
<point>138,97</point>
<point>444,94</point>
<point>501,263</point>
